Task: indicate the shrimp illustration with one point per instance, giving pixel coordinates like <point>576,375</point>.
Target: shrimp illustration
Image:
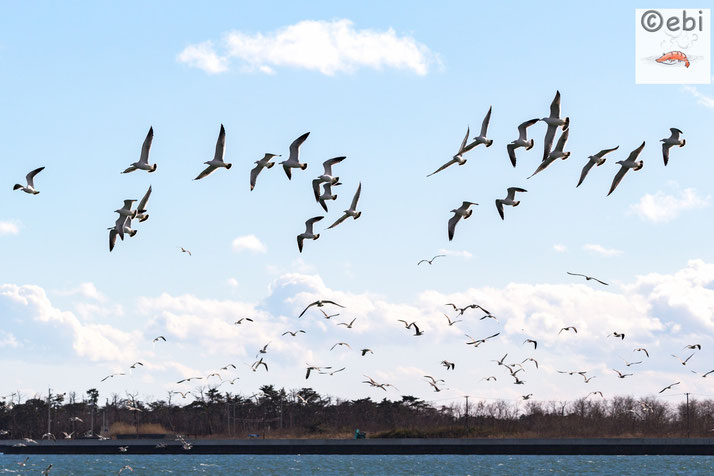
<point>673,57</point>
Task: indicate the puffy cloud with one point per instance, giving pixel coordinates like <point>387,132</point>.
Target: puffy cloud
<point>662,207</point>
<point>204,57</point>
<point>249,243</point>
<point>329,47</point>
<point>601,250</point>
<point>9,228</point>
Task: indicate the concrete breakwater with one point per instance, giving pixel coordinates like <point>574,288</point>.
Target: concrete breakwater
<point>416,446</point>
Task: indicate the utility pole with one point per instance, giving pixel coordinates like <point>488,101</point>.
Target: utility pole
<point>687,394</point>
<point>49,410</point>
<point>467,415</point>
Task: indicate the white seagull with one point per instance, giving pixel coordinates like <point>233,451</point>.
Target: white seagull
<point>320,303</point>
<point>293,161</point>
<point>217,161</point>
<point>458,158</point>
<point>597,159</point>
<point>509,200</point>
<point>30,178</point>
<point>352,212</point>
<point>143,163</point>
<point>260,165</point>
<point>327,195</point>
<point>522,140</point>
<point>327,176</point>
<point>309,235</point>
<point>554,121</point>
<point>141,208</point>
<point>625,165</point>
<point>556,154</point>
<point>481,138</point>
<point>670,142</point>
<point>461,212</point>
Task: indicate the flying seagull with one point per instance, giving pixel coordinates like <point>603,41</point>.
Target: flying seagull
<point>293,161</point>
<point>293,333</point>
<point>669,386</point>
<point>621,375</point>
<point>364,351</point>
<point>217,161</point>
<point>265,162</point>
<point>509,200</point>
<point>448,365</point>
<point>348,325</point>
<point>327,194</point>
<point>693,347</point>
<point>309,235</point>
<point>531,341</point>
<point>554,121</point>
<point>143,163</point>
<point>461,212</point>
<point>352,212</point>
<point>684,362</point>
<point>240,321</point>
<point>184,250</point>
<point>319,303</point>
<point>430,261</point>
<point>111,376</point>
<point>341,343</point>
<point>670,142</point>
<point>522,140</point>
<point>556,154</point>
<point>141,214</point>
<point>642,349</point>
<point>123,225</point>
<point>458,158</point>
<point>481,138</point>
<point>597,159</point>
<point>328,316</point>
<point>625,165</point>
<point>327,176</point>
<point>616,335</point>
<point>30,178</point>
<point>451,323</point>
<point>477,342</point>
<point>587,278</point>
<point>159,338</point>
<point>569,328</point>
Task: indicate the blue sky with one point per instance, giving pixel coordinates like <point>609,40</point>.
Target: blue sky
<point>82,83</point>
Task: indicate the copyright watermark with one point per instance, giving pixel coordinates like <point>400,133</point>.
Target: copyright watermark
<point>673,46</point>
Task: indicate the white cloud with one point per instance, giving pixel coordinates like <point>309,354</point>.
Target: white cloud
<point>203,56</point>
<point>560,248</point>
<point>232,282</point>
<point>329,47</point>
<point>460,253</point>
<point>87,290</point>
<point>249,243</point>
<point>702,99</point>
<point>9,228</point>
<point>662,207</point>
<point>601,250</point>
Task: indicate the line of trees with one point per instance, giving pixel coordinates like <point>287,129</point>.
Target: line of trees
<point>303,413</point>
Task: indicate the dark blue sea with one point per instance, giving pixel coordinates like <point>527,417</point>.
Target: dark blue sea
<point>83,465</point>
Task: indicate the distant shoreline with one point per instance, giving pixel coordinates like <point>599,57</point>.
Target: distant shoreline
<point>411,446</point>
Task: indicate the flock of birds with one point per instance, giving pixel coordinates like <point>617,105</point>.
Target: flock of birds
<point>550,155</point>
<point>322,188</point>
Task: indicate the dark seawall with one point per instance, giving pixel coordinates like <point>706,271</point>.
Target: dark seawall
<point>415,446</point>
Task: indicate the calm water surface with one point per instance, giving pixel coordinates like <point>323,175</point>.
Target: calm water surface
<point>360,464</point>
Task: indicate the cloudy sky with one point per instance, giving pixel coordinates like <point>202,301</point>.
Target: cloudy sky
<point>393,87</point>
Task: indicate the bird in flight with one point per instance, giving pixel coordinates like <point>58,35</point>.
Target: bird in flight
<point>554,121</point>
<point>557,153</point>
<point>530,359</point>
<point>112,376</point>
<point>531,341</point>
<point>143,163</point>
<point>294,333</point>
<point>597,392</point>
<point>509,200</point>
<point>327,176</point>
<point>156,339</point>
<point>459,213</point>
<point>320,303</point>
<point>217,161</point>
<point>265,162</point>
<point>30,179</point>
<point>670,142</point>
<point>189,379</point>
<point>642,349</point>
<point>184,250</point>
<point>364,351</point>
<point>341,343</point>
<point>448,365</point>
<point>478,342</point>
<point>451,323</point>
<point>587,278</point>
<point>684,362</point>
<point>617,335</point>
<point>481,138</point>
<point>569,328</point>
<point>309,234</point>
<point>293,161</point>
<point>240,321</point>
<point>430,261</point>
<point>597,159</point>
<point>458,158</point>
<point>522,140</point>
<point>352,211</point>
<point>417,332</point>
<point>349,325</point>
<point>668,387</point>
<point>328,316</point>
<point>693,347</point>
<point>621,375</point>
<point>630,163</point>
<point>463,309</point>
